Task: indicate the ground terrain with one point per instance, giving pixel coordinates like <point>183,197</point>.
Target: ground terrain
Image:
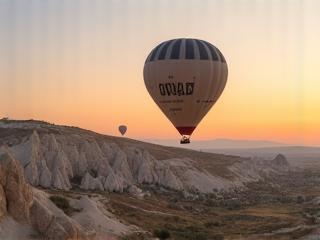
<point>286,207</point>
<point>94,186</point>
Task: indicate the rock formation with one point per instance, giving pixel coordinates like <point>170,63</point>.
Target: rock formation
<point>280,161</point>
<point>16,194</point>
<point>55,156</point>
<point>30,207</point>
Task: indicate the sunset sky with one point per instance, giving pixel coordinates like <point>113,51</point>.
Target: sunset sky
<point>80,62</point>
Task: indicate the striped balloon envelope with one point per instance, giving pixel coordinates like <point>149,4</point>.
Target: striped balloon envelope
<point>185,77</point>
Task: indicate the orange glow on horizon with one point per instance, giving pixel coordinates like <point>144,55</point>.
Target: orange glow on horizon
<point>81,65</point>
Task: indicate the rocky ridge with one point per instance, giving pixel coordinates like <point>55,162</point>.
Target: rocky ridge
<point>62,157</point>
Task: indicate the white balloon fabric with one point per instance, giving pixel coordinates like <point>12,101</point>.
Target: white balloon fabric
<point>185,77</point>
<point>122,129</point>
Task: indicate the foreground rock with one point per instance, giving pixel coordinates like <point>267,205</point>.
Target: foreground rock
<point>29,208</point>
<point>26,212</point>
<point>16,194</point>
<point>51,221</point>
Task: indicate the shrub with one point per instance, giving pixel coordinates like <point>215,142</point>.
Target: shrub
<point>62,203</point>
<point>162,234</point>
<point>76,180</point>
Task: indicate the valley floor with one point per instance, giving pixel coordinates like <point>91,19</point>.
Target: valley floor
<point>282,207</point>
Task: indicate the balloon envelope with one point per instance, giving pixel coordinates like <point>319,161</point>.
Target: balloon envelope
<point>122,129</point>
<point>185,78</point>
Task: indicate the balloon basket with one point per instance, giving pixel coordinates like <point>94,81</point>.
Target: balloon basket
<point>185,140</point>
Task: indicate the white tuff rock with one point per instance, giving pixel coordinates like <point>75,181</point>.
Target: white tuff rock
<point>57,157</point>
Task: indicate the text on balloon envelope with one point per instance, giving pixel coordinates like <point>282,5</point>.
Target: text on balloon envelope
<point>176,89</point>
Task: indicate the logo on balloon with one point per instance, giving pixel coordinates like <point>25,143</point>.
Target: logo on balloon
<point>176,89</point>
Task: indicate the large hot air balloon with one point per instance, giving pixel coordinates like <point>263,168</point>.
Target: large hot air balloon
<point>185,77</point>
<point>122,129</point>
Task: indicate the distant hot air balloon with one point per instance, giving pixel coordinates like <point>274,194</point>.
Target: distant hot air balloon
<point>185,77</point>
<point>122,129</point>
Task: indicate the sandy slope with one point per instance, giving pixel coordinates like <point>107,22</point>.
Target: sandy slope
<point>94,218</point>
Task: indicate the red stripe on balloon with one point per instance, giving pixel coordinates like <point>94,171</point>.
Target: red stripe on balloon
<point>185,130</point>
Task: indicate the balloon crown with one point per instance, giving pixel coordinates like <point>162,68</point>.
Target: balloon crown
<point>185,48</point>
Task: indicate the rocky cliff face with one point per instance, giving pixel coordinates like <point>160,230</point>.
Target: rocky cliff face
<point>15,194</point>
<point>52,160</point>
<point>60,157</point>
<point>29,207</point>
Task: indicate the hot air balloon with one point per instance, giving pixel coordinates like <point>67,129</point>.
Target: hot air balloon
<point>122,129</point>
<point>185,77</point>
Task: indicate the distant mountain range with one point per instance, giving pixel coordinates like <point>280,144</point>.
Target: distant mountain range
<point>220,143</point>
<point>298,155</point>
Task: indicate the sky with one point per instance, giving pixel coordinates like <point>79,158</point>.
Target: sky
<point>80,63</point>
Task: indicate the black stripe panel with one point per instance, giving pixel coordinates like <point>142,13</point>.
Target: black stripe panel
<point>154,53</point>
<point>163,52</point>
<point>175,52</point>
<point>202,51</point>
<point>189,49</point>
<point>214,55</point>
<point>222,59</point>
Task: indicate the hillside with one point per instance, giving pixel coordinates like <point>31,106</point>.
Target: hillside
<point>84,185</point>
<point>60,157</point>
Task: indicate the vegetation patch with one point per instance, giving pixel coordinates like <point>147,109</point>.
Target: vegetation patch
<point>63,204</point>
<point>76,180</point>
<point>161,234</point>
